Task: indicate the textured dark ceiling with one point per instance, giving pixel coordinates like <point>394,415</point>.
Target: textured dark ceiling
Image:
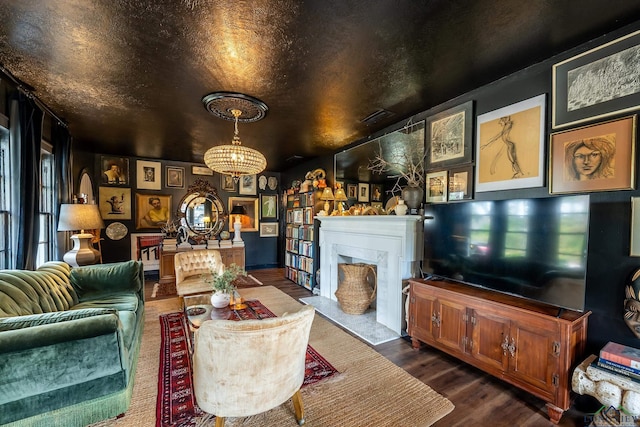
<point>128,76</point>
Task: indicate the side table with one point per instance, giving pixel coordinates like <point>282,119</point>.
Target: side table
<point>610,388</point>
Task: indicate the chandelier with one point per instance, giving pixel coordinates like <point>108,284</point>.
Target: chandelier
<point>235,159</point>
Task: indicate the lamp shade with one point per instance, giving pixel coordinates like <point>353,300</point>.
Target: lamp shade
<point>327,194</point>
<point>238,210</point>
<point>79,217</point>
<point>340,195</point>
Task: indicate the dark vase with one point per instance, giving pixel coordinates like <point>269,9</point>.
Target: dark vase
<point>412,196</point>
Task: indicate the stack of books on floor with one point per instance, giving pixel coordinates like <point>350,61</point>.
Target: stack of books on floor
<point>620,359</point>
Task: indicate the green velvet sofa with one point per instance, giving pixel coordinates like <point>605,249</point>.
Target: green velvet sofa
<point>69,342</point>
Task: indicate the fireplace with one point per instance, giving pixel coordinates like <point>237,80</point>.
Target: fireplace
<point>393,243</point>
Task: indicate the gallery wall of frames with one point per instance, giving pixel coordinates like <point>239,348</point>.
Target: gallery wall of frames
<point>138,196</point>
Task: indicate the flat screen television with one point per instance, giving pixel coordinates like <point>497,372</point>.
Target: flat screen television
<point>533,248</point>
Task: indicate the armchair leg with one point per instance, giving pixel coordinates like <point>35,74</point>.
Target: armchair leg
<point>298,407</point>
<point>219,421</point>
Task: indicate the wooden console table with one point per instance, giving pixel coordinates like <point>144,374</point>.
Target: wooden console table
<point>233,255</point>
<point>528,344</point>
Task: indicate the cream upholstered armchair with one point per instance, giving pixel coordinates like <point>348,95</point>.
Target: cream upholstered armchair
<point>243,368</point>
<point>191,265</point>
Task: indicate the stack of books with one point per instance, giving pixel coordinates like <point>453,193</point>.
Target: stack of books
<point>620,359</point>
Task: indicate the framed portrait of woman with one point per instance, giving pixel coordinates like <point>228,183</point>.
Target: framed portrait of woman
<point>599,157</point>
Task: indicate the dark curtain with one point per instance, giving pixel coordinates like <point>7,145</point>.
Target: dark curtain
<point>61,141</point>
<point>29,122</point>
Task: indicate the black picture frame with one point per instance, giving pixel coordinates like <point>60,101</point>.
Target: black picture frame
<point>457,121</point>
<point>617,60</point>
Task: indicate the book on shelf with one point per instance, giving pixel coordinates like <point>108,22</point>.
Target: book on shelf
<point>621,354</point>
<point>611,367</point>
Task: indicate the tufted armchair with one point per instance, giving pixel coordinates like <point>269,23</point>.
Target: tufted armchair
<point>243,368</point>
<point>191,265</point>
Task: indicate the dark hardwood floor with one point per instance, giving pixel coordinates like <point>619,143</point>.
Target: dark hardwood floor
<point>479,399</point>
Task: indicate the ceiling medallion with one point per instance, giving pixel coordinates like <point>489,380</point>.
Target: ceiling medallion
<point>221,104</point>
<point>234,159</point>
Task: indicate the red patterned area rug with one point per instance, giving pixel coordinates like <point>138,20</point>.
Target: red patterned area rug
<point>176,405</point>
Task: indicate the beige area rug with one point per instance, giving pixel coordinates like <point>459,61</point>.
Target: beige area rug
<point>369,391</point>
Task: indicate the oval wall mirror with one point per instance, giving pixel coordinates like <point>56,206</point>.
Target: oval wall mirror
<point>85,189</point>
<point>201,210</point>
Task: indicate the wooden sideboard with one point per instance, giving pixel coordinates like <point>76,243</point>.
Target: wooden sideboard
<point>234,255</point>
<point>530,345</point>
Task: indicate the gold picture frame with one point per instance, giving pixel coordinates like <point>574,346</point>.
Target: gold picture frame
<point>149,214</point>
<point>249,221</point>
<point>598,157</point>
<point>437,187</point>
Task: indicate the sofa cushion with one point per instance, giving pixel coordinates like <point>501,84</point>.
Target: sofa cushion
<point>120,301</point>
<point>19,322</point>
<point>33,292</point>
<point>120,276</point>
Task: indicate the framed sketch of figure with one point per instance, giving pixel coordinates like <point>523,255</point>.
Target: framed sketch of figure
<point>510,146</point>
<point>598,157</point>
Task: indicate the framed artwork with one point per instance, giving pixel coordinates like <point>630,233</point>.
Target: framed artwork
<point>461,183</point>
<point>115,170</point>
<point>114,203</point>
<point>449,137</point>
<point>352,191</point>
<point>436,187</point>
<point>376,192</point>
<point>249,220</point>
<point>268,206</point>
<point>201,170</point>
<point>145,247</point>
<point>598,157</point>
<point>268,229</point>
<point>175,177</point>
<point>227,183</point>
<point>510,146</point>
<point>152,210</point>
<point>598,83</point>
<point>149,175</point>
<point>248,185</point>
<point>363,192</point>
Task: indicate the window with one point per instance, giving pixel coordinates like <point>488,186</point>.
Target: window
<point>480,228</point>
<point>518,216</point>
<point>5,198</point>
<point>572,240</point>
<point>47,238</point>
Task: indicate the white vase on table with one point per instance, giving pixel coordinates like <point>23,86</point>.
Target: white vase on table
<point>220,299</point>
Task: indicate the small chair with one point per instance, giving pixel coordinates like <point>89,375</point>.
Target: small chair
<point>191,265</point>
<point>243,368</point>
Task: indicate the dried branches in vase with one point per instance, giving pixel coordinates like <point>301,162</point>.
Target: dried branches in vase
<point>405,165</point>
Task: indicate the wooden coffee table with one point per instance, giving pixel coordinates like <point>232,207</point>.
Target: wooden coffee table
<point>198,308</point>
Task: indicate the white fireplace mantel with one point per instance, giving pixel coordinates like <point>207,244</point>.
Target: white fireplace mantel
<point>393,243</point>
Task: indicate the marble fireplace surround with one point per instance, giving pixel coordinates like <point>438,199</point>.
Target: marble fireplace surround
<point>393,243</point>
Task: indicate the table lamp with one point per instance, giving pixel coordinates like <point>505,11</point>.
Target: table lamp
<point>340,197</point>
<point>327,194</point>
<point>238,211</point>
<point>74,217</point>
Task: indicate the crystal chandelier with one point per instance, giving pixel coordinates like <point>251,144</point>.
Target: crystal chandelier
<point>234,159</point>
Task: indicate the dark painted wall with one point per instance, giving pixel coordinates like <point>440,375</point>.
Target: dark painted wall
<point>609,265</point>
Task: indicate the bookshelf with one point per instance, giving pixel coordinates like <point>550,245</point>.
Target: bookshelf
<point>301,233</point>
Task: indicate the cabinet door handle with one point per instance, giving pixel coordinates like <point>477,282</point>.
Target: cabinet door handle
<point>505,345</point>
<point>435,319</point>
<point>512,347</point>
